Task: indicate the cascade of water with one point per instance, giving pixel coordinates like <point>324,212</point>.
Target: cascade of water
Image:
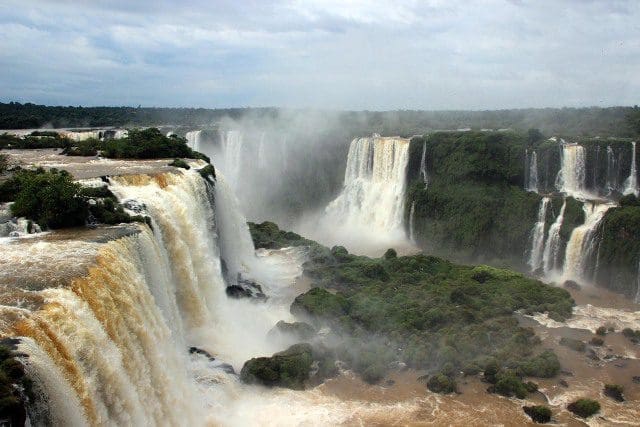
<point>110,344</point>
<point>532,183</point>
<point>631,183</point>
<point>232,151</point>
<point>372,198</point>
<point>552,246</point>
<point>412,214</point>
<point>571,177</point>
<point>612,171</point>
<point>193,139</point>
<point>423,165</point>
<point>583,242</point>
<point>262,161</point>
<point>535,260</point>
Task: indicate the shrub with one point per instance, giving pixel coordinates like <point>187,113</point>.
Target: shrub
<point>4,163</point>
<point>208,172</point>
<point>149,143</point>
<point>539,414</point>
<point>584,407</point>
<point>596,341</point>
<point>544,365</point>
<point>179,163</point>
<point>614,391</point>
<point>602,331</point>
<point>390,254</point>
<point>50,198</point>
<point>573,344</point>
<point>289,368</point>
<point>441,383</point>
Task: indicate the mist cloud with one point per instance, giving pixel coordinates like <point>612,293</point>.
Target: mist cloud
<point>328,54</point>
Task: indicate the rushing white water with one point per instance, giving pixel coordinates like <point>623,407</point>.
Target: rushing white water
<point>552,246</point>
<point>232,151</point>
<point>612,171</point>
<point>571,177</point>
<point>371,203</point>
<point>194,138</point>
<point>582,243</point>
<point>412,213</point>
<point>631,183</point>
<point>535,260</point>
<point>532,183</point>
<point>423,165</point>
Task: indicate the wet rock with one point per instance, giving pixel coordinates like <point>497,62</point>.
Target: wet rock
<point>614,391</point>
<point>135,206</point>
<point>301,331</point>
<point>591,354</point>
<point>563,383</point>
<point>245,288</point>
<point>196,350</point>
<point>539,414</point>
<point>636,379</point>
<point>389,383</point>
<point>288,369</point>
<point>570,284</point>
<point>573,344</point>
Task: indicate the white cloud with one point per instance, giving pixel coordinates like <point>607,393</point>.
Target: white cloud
<point>333,53</point>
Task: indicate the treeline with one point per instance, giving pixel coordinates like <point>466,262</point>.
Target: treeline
<point>612,121</point>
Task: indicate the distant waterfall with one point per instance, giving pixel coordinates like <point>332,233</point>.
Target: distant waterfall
<point>532,181</point>
<point>537,236</point>
<point>193,139</point>
<point>582,244</point>
<point>612,171</point>
<point>372,199</point>
<point>232,151</point>
<point>631,183</point>
<point>423,165</point>
<point>571,177</point>
<point>552,246</point>
<point>412,214</point>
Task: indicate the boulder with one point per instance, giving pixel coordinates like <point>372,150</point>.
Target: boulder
<point>300,331</point>
<point>288,369</point>
<point>614,391</point>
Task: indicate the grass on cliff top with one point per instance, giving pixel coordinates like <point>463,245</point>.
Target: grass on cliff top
<point>422,310</point>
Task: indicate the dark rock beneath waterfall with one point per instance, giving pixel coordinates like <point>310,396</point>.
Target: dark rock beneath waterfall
<point>570,284</point>
<point>196,350</point>
<point>300,331</point>
<point>245,288</point>
<point>289,368</point>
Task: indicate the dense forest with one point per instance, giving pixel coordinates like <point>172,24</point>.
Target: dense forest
<point>567,121</point>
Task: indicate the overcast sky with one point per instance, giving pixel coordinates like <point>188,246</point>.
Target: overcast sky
<point>337,54</point>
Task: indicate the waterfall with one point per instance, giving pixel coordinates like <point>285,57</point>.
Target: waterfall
<point>631,183</point>
<point>262,161</point>
<point>612,171</point>
<point>110,344</point>
<point>537,236</point>
<point>193,139</point>
<point>423,165</point>
<point>532,182</point>
<point>412,213</point>
<point>372,198</point>
<point>552,246</point>
<point>232,151</point>
<point>571,177</point>
<point>583,241</point>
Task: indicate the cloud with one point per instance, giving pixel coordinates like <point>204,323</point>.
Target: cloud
<point>330,54</point>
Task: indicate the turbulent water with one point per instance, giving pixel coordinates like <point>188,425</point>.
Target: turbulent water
<point>372,199</point>
<point>552,246</point>
<point>582,244</point>
<point>423,165</point>
<point>535,260</point>
<point>572,174</point>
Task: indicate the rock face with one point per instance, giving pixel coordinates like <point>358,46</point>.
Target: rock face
<point>245,288</point>
<point>289,368</point>
<point>300,331</point>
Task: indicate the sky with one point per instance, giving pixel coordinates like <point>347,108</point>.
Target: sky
<point>330,54</point>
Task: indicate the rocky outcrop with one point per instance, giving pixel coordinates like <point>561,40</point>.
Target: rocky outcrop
<point>289,369</point>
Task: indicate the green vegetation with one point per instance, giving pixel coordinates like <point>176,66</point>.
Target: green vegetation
<point>289,368</point>
<point>508,383</point>
<point>34,140</point>
<point>614,391</point>
<point>179,163</point>
<point>149,143</point>
<point>633,336</point>
<point>208,172</point>
<point>299,330</point>
<point>422,311</point>
<point>4,163</point>
<point>268,235</point>
<point>441,383</point>
<point>474,205</point>
<point>539,414</point>
<point>88,147</point>
<point>584,407</point>
<point>52,200</point>
<point>602,331</point>
<point>596,341</point>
